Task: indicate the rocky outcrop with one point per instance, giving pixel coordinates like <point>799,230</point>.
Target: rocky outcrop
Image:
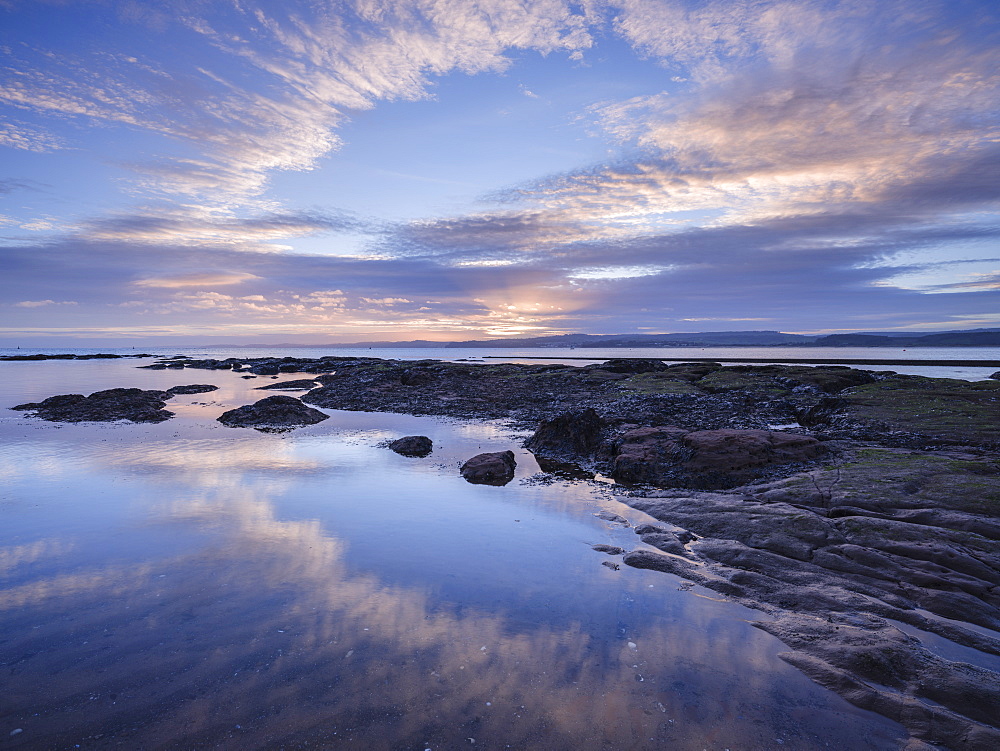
<point>133,405</point>
<point>496,468</point>
<point>672,457</point>
<point>830,554</point>
<point>98,356</point>
<point>575,434</point>
<point>273,412</point>
<point>412,445</point>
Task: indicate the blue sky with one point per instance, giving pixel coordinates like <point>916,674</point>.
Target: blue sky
<point>230,170</point>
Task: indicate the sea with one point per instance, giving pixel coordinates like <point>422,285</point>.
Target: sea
<point>586,355</point>
<point>187,585</point>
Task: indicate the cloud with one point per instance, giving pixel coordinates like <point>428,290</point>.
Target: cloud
<point>810,148</point>
<point>204,279</point>
<point>204,226</point>
<point>26,138</point>
<point>42,303</point>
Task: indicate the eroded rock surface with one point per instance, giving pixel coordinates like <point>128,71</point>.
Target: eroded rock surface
<point>273,412</point>
<point>838,554</point>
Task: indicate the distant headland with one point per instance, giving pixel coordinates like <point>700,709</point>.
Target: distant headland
<point>967,338</point>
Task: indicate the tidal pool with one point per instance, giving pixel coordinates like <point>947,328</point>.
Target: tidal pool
<point>187,585</point>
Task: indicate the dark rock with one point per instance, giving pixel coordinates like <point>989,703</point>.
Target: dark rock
<point>732,451</point>
<point>633,366</point>
<point>496,468</point>
<point>134,405</point>
<point>574,433</point>
<point>614,518</point>
<point>645,454</point>
<point>608,549</point>
<point>301,384</point>
<point>413,445</point>
<point>668,542</point>
<point>665,563</point>
<point>194,388</point>
<point>670,456</point>
<point>265,369</point>
<point>996,375</point>
<point>273,412</point>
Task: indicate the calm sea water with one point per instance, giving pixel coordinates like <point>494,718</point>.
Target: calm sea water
<point>187,585</point>
<point>573,356</point>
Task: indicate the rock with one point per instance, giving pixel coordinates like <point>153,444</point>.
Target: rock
<point>633,366</point>
<point>995,376</point>
<point>732,451</point>
<point>670,456</point>
<point>574,433</point>
<point>412,445</point>
<point>273,412</point>
<point>301,384</point>
<point>194,388</point>
<point>265,369</point>
<point>496,468</point>
<point>134,405</point>
<point>614,518</point>
<point>608,549</point>
<point>658,562</point>
<point>645,454</point>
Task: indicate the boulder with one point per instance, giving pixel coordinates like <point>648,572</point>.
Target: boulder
<point>272,412</point>
<point>573,433</point>
<point>413,445</point>
<point>496,468</point>
<point>194,388</point>
<point>134,405</point>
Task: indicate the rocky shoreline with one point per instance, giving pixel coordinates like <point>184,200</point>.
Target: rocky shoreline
<point>853,507</point>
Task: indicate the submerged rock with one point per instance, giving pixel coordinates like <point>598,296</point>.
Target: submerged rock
<point>496,468</point>
<point>412,445</point>
<point>134,405</point>
<point>273,412</point>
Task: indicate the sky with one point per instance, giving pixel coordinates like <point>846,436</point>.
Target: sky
<point>310,171</point>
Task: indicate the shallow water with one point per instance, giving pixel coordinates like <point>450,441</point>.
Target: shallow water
<point>188,585</point>
<point>572,356</point>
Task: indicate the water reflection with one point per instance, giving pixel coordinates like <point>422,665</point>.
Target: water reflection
<point>187,587</point>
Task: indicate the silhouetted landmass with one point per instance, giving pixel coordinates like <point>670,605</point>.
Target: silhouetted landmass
<point>970,338</point>
<point>950,339</point>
